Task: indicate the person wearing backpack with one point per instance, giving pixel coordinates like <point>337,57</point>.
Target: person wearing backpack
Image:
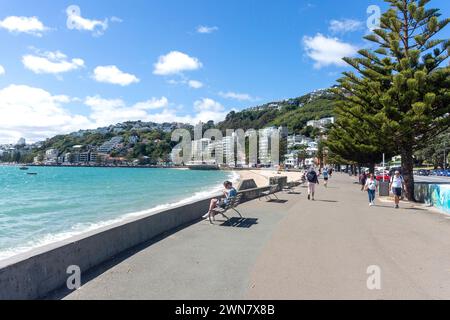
<point>312,181</point>
<point>397,186</point>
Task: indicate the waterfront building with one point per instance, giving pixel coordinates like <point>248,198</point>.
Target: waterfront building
<point>266,142</point>
<point>51,155</point>
<point>200,149</point>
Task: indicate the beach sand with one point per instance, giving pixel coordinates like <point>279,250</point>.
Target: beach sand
<point>261,177</point>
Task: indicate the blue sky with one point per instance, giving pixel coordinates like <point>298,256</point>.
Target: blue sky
<point>165,60</point>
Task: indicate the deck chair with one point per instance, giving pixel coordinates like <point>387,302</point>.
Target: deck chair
<point>232,204</point>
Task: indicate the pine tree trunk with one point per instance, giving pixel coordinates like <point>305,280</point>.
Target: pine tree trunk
<point>372,168</point>
<point>407,171</point>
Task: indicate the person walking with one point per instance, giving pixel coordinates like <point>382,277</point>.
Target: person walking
<point>312,181</point>
<point>325,177</point>
<point>362,180</point>
<point>371,187</point>
<point>397,186</point>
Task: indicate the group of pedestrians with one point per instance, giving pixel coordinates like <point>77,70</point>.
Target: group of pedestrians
<point>369,184</point>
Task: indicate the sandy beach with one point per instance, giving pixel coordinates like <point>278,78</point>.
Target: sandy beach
<point>261,177</point>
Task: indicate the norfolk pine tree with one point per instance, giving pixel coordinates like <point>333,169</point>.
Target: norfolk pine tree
<point>407,99</point>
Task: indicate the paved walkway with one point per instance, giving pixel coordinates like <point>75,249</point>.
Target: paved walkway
<point>292,249</point>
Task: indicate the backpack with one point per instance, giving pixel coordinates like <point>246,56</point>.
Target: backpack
<point>311,176</point>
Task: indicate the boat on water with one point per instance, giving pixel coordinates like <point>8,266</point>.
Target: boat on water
<point>202,165</point>
<point>23,168</point>
<point>32,173</point>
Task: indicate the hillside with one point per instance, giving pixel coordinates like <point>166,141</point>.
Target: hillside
<point>293,113</point>
<point>151,142</point>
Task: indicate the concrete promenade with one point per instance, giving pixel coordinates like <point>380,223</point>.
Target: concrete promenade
<point>289,249</point>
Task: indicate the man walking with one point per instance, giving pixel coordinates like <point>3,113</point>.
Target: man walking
<point>397,186</point>
<point>312,181</point>
<point>325,177</point>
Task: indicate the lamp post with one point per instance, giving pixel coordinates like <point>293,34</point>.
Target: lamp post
<point>445,155</point>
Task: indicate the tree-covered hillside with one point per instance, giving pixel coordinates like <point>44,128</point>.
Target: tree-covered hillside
<point>293,113</point>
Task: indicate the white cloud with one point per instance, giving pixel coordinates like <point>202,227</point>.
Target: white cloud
<point>237,96</point>
<point>116,19</point>
<point>176,62</point>
<point>2,70</point>
<point>327,51</point>
<point>111,111</point>
<point>207,104</point>
<point>35,114</point>
<point>77,22</point>
<point>29,25</point>
<point>51,62</point>
<point>206,29</point>
<point>152,104</point>
<point>195,84</point>
<point>345,25</point>
<point>113,75</point>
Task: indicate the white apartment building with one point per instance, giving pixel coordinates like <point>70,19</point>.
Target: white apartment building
<point>200,149</point>
<point>108,146</point>
<point>51,155</point>
<point>320,123</point>
<point>265,143</point>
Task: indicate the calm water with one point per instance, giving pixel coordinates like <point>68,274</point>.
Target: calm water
<point>61,202</point>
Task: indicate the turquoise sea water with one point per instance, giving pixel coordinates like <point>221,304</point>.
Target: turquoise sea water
<point>58,203</point>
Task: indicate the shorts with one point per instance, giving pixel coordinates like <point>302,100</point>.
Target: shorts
<point>326,179</point>
<point>397,191</point>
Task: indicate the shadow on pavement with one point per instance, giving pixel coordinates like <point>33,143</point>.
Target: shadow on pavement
<point>96,271</point>
<point>277,201</point>
<point>240,222</point>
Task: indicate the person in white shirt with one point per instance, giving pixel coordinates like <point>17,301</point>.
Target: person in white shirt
<point>397,186</point>
<point>371,187</point>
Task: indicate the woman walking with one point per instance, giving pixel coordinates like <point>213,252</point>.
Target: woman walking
<point>371,187</point>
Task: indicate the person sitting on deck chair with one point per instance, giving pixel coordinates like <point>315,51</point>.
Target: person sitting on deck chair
<point>229,192</point>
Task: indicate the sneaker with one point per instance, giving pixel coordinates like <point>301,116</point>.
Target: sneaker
<point>396,206</point>
<point>206,216</point>
<point>370,204</point>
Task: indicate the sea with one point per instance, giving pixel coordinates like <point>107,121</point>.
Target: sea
<point>44,205</point>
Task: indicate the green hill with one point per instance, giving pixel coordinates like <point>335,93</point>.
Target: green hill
<point>293,113</point>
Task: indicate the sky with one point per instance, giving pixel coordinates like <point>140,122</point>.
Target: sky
<point>70,65</point>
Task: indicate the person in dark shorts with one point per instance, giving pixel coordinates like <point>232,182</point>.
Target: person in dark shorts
<point>397,186</point>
